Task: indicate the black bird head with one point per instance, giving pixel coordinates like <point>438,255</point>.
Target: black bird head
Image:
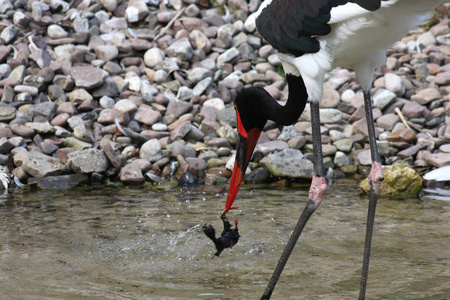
<point>254,107</point>
<point>251,112</point>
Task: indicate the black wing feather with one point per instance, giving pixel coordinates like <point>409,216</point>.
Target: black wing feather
<point>291,25</point>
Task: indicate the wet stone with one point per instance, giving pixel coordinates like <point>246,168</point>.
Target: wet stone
<point>132,174</point>
<point>289,163</point>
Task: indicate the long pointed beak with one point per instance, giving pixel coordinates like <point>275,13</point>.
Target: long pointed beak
<point>245,146</point>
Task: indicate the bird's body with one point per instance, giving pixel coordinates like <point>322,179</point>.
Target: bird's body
<point>358,40</point>
<point>312,37</point>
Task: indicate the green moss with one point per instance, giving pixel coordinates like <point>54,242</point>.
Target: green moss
<point>400,181</point>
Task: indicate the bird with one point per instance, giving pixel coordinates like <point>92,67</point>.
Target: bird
<point>313,37</point>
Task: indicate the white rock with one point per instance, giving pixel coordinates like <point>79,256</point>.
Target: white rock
<point>383,98</point>
<point>153,57</point>
<point>215,102</point>
<point>56,32</point>
<point>249,24</point>
<point>394,83</point>
<point>151,150</point>
<point>126,105</point>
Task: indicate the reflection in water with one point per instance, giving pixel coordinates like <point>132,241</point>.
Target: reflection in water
<point>129,243</point>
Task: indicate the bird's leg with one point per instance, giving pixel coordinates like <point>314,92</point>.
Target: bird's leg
<point>316,192</point>
<point>375,178</point>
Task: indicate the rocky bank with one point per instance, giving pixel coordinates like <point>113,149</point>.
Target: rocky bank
<point>143,90</point>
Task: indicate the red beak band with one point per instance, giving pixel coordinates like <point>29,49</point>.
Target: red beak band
<point>244,152</point>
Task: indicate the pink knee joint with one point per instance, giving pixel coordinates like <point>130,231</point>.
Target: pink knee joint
<point>317,190</point>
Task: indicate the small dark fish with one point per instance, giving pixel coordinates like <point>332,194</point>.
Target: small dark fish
<point>229,236</point>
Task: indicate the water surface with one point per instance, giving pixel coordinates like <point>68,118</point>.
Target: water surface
<point>109,242</point>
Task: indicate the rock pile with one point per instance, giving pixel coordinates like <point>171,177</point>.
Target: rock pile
<point>143,90</point>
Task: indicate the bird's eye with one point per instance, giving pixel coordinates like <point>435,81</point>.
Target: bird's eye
<point>235,108</point>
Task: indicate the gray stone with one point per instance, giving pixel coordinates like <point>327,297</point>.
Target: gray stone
<point>33,91</point>
<point>136,11</point>
<point>394,83</point>
<point>181,49</point>
<point>126,105</point>
<point>40,165</point>
<point>297,142</point>
<point>227,56</point>
<point>411,151</point>
<point>81,133</point>
<point>185,93</point>
<point>180,131</point>
<point>151,150</point>
<point>44,127</point>
<point>9,33</point>
<point>215,102</point>
<point>5,145</point>
<point>47,110</point>
<point>76,144</point>
<point>228,133</point>
<point>330,115</point>
<point>7,113</point>
<point>106,52</point>
<point>88,77</point>
<point>344,145</point>
<point>201,41</point>
<point>56,32</point>
<point>288,133</point>
<point>425,96</point>
<point>178,108</point>
<point>153,57</point>
<point>387,121</point>
<point>289,163</point>
<point>198,74</point>
<point>227,116</point>
<point>365,158</point>
<point>383,98</point>
<point>88,161</point>
<point>272,146</point>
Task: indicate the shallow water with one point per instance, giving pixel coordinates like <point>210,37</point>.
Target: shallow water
<point>108,242</point>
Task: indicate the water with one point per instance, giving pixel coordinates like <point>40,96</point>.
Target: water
<point>109,242</point>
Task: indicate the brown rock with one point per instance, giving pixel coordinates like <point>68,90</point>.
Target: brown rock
<point>402,135</point>
<point>146,115</point>
<point>438,159</point>
<point>132,174</point>
<point>113,157</point>
<point>22,130</point>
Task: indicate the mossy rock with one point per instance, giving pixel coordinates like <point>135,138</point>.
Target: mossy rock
<point>400,181</point>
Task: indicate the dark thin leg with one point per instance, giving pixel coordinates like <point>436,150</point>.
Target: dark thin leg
<point>316,192</point>
<point>375,179</point>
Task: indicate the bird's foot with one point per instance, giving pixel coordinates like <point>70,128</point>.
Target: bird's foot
<point>317,190</point>
<point>376,177</point>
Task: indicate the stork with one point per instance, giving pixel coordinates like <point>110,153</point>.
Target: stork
<point>312,37</point>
